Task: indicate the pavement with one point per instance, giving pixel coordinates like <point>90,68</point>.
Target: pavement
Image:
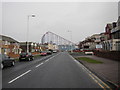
<point>58,71</point>
<point>108,70</point>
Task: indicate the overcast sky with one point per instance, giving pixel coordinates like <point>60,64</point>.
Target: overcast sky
<point>82,18</point>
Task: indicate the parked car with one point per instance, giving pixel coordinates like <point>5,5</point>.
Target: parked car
<point>6,61</point>
<point>26,56</point>
<point>76,50</point>
<point>86,49</point>
<point>89,52</point>
<point>54,51</point>
<point>49,52</point>
<point>43,53</point>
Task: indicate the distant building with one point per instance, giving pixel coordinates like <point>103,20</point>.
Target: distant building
<point>112,41</point>
<point>90,42</point>
<point>115,36</point>
<point>96,38</point>
<point>52,46</point>
<point>108,40</point>
<point>108,29</point>
<point>44,46</point>
<point>103,37</point>
<point>33,47</point>
<point>0,44</point>
<point>9,45</point>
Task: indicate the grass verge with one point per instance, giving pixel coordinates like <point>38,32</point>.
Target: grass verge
<point>37,56</point>
<point>89,60</point>
<point>17,59</point>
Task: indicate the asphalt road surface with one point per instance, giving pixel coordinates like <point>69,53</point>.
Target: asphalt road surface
<point>57,71</point>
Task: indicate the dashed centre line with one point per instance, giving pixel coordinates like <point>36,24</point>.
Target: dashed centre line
<point>46,61</point>
<point>19,76</point>
<point>30,70</point>
<point>39,64</point>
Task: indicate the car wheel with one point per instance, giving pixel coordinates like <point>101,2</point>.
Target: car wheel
<point>32,58</point>
<point>13,63</point>
<point>2,66</point>
<point>29,59</point>
<point>19,60</point>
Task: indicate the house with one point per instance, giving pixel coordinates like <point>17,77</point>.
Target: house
<point>9,46</point>
<point>0,44</point>
<point>33,47</point>
<point>91,42</point>
<point>108,29</point>
<point>115,36</point>
<point>111,38</point>
<point>52,46</point>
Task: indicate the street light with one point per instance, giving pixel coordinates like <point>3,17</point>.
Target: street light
<point>28,30</point>
<point>70,38</point>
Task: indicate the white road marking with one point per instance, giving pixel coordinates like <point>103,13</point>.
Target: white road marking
<point>19,76</point>
<point>54,56</point>
<point>39,64</point>
<point>76,61</point>
<point>30,70</point>
<point>46,60</point>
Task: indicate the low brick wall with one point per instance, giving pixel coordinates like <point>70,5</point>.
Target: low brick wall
<point>35,53</point>
<point>13,55</point>
<point>114,55</point>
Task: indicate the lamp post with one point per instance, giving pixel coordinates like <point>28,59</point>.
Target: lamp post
<point>71,39</point>
<point>28,30</point>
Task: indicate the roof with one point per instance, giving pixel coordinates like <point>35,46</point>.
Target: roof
<point>109,25</point>
<point>6,38</point>
<point>94,35</point>
<point>24,43</point>
<point>118,21</point>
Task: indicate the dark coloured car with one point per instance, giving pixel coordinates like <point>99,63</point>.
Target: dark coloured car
<point>6,61</point>
<point>54,51</point>
<point>26,56</point>
<point>49,52</point>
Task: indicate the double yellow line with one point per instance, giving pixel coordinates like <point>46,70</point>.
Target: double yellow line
<point>97,80</point>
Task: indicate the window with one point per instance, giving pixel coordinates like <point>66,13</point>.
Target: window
<point>119,34</point>
<point>118,46</point>
<point>5,43</point>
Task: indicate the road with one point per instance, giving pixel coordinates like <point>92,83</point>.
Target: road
<point>58,71</point>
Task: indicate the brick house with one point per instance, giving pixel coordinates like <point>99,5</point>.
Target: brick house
<point>112,43</point>
<point>33,47</point>
<point>9,46</point>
